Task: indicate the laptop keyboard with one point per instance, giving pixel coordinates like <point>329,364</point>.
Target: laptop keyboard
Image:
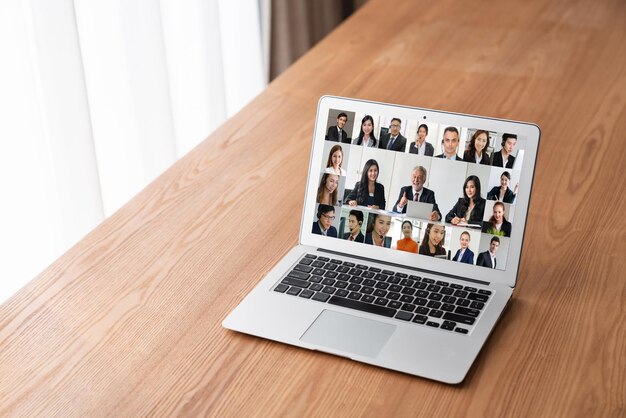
<point>435,303</point>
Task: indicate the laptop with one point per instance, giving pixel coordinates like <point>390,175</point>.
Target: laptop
<point>378,277</point>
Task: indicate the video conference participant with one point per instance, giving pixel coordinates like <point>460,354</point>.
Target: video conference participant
<point>432,244</point>
<point>377,231</point>
<point>420,146</point>
<point>464,254</point>
<point>503,193</point>
<point>327,190</point>
<point>475,152</point>
<point>367,191</point>
<point>324,224</point>
<point>335,159</point>
<point>355,221</point>
<point>366,136</point>
<point>450,144</point>
<point>488,258</point>
<point>504,157</point>
<point>336,133</point>
<point>470,208</point>
<point>417,193</point>
<point>393,141</point>
<point>407,243</point>
<point>498,225</point>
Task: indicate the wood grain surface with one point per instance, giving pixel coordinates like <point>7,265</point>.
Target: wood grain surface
<point>127,322</point>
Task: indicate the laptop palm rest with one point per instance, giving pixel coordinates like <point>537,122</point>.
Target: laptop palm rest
<point>352,334</point>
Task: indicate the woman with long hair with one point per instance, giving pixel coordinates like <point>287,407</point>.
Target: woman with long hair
<point>377,230</point>
<point>476,150</point>
<point>498,225</point>
<point>420,146</point>
<point>503,193</point>
<point>470,208</point>
<point>366,136</point>
<point>327,190</point>
<point>367,191</point>
<point>432,244</point>
<point>335,159</point>
<point>407,243</point>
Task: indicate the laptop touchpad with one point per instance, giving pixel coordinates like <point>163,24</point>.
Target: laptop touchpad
<point>339,331</point>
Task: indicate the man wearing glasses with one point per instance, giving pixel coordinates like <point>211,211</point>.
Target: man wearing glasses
<point>324,224</point>
<point>416,192</point>
<point>393,141</point>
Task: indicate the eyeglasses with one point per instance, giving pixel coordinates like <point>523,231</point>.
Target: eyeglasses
<point>332,218</point>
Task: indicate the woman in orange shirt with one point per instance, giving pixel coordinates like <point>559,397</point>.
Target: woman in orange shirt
<point>407,243</point>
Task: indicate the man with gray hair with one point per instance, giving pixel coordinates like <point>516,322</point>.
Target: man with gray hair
<point>416,192</point>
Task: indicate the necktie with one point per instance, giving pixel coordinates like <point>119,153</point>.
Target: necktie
<point>351,238</point>
<point>416,197</point>
<point>391,139</point>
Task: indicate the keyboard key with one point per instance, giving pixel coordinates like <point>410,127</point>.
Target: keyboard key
<point>408,291</point>
<point>281,288</point>
<point>367,290</point>
<point>421,294</point>
<point>315,279</point>
<point>442,283</point>
<point>432,324</point>
<point>398,288</point>
<point>381,301</point>
<point>310,256</point>
<point>456,286</point>
<point>393,280</point>
<point>449,299</point>
<point>294,291</point>
<point>484,292</point>
<point>356,279</point>
<point>429,281</point>
<point>353,287</point>
<point>405,316</point>
<point>300,267</point>
<point>467,311</point>
<point>448,307</point>
<point>368,298</point>
<point>447,290</point>
<point>467,320</point>
<point>381,277</point>
<point>369,282</point>
<point>296,282</point>
<point>433,288</point>
<point>368,274</point>
<point>316,287</point>
<point>348,264</point>
<point>420,319</point>
<point>435,313</point>
<point>362,266</point>
<point>460,294</point>
<point>355,295</point>
<point>323,258</point>
<point>416,278</point>
<point>361,306</point>
<point>422,310</point>
<point>435,296</point>
<point>341,285</point>
<point>407,282</point>
<point>420,285</point>
<point>448,325</point>
<point>478,297</point>
<point>406,298</point>
<point>408,307</point>
<point>388,272</point>
<point>393,295</point>
<point>381,285</point>
<point>402,275</point>
<point>317,264</point>
<point>305,261</point>
<point>328,282</point>
<point>420,301</point>
<point>342,269</point>
<point>380,293</point>
<point>336,261</point>
<point>331,274</point>
<point>460,330</point>
<point>329,290</point>
<point>330,266</point>
<point>434,304</point>
<point>394,304</point>
<point>463,302</point>
<point>306,293</point>
<point>356,272</point>
<point>318,272</point>
<point>470,289</point>
<point>477,305</point>
<point>321,297</point>
<point>342,292</point>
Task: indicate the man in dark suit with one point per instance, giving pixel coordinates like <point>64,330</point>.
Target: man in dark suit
<point>464,254</point>
<point>488,258</point>
<point>450,143</point>
<point>504,157</point>
<point>417,193</point>
<point>393,141</point>
<point>324,224</point>
<point>355,221</point>
<point>336,133</point>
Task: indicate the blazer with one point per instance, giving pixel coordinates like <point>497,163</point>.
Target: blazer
<point>359,238</point>
<point>398,145</point>
<point>426,196</point>
<point>333,135</point>
<point>496,160</point>
<point>504,229</point>
<point>494,194</point>
<point>369,240</point>
<point>485,160</point>
<point>484,260</point>
<point>428,152</point>
<point>379,196</point>
<point>332,231</point>
<point>468,256</point>
<point>442,155</point>
<point>373,143</point>
<point>459,209</point>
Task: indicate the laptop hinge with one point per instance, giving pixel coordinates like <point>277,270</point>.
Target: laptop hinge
<point>452,276</point>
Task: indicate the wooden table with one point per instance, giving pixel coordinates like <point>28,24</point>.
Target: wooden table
<point>127,322</point>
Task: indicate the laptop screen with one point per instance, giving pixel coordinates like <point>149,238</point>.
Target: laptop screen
<point>431,189</point>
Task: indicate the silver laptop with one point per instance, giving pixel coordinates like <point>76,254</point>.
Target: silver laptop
<point>410,241</point>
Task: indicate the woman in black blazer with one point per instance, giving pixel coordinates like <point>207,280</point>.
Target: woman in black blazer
<point>498,225</point>
<point>470,208</point>
<point>475,152</point>
<point>368,192</point>
<point>503,193</point>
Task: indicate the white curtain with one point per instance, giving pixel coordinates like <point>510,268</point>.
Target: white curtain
<point>97,98</point>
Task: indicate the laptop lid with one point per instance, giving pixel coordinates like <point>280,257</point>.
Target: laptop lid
<point>437,191</point>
